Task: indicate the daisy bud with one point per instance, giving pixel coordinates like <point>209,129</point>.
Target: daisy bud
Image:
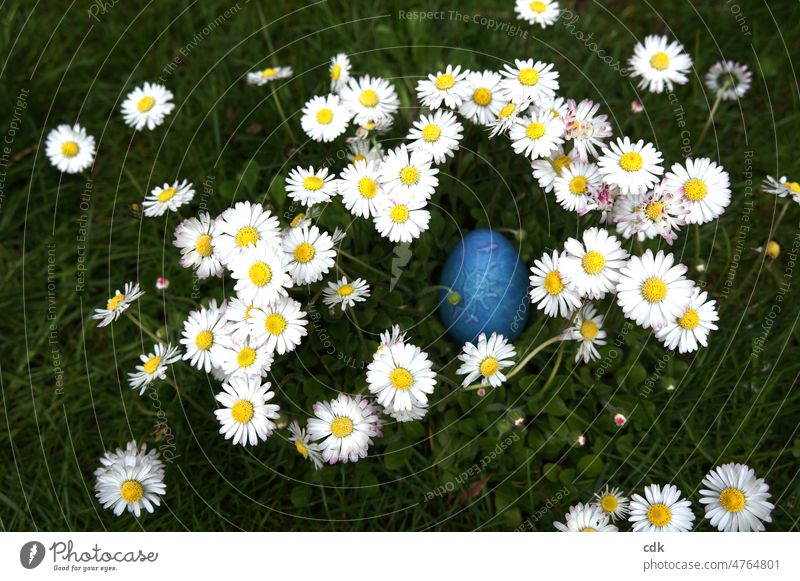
<point>162,283</point>
<point>581,441</point>
<point>773,249</point>
<point>620,420</point>
<point>637,107</point>
<point>700,267</point>
<point>481,392</point>
<point>519,422</point>
<point>453,298</point>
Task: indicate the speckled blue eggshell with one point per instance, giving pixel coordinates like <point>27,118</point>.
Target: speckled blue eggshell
<point>486,270</point>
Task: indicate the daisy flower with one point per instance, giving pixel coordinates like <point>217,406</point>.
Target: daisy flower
<point>358,185</point>
<point>485,103</point>
<point>402,221</point>
<point>528,81</point>
<point>238,315</point>
<point>132,481</point>
<point>243,226</point>
<point>781,187</point>
<point>345,293</point>
<point>436,134</point>
<point>574,185</point>
<point>147,105</point>
<point>408,173</point>
<point>205,334</point>
<point>549,290</point>
<point>416,413</point>
<point>196,237</point>
<point>545,171</point>
<point>537,136</point>
<point>264,76</point>
<point>592,266</point>
<point>704,187</point>
<point>585,518</point>
<point>132,453</point>
<point>280,326</point>
<point>168,197</point>
<point>604,198</point>
<point>248,358</point>
<point>246,416</point>
<point>261,274</point>
<point>661,510</point>
<point>507,117</point>
<point>628,214</point>
<point>370,99</point>
<point>633,167</point>
<point>735,500</point>
<point>310,187</point>
<point>691,327</point>
<point>303,444</point>
<point>309,253</point>
<point>652,290</point>
<point>344,428</point>
<point>401,377</point>
<point>70,149</point>
<point>659,63</point>
<point>339,71</point>
<point>117,304</point>
<point>612,502</point>
<point>389,338</point>
<point>363,150</point>
<point>449,87</point>
<point>586,129</point>
<point>541,12</point>
<point>325,118</point>
<point>486,360</point>
<point>588,329</point>
<point>656,214</point>
<point>154,366</point>
<point>729,80</point>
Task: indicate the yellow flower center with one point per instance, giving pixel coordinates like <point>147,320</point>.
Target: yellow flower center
<point>482,96</point>
<point>304,252</point>
<point>246,357</point>
<point>660,61</point>
<point>69,149</point>
<point>399,214</point>
<point>204,340</point>
<point>535,130</point>
<point>260,274</point>
<point>562,162</point>
<point>588,330</point>
<point>131,491</point>
<point>275,324</point>
<point>609,503</point>
<point>659,515</point>
<point>336,72</point>
<point>553,283</point>
<point>301,448</point>
<point>368,98</point>
<point>247,314</point>
<point>593,262</point>
<point>367,188</point>
<point>695,189</point>
<point>577,185</point>
<point>345,290</point>
<point>431,133</point>
<point>653,210</point>
<point>151,365</point>
<point>538,7</point>
<point>166,195</point>
<point>296,220</point>
<point>631,161</point>
<point>324,116</point>
<point>246,236</point>
<point>341,427</point>
<point>588,530</point>
<point>654,289</point>
<point>401,378</point>
<point>409,175</point>
<point>507,110</point>
<point>145,104</point>
<point>489,366</point>
<point>689,320</point>
<point>313,183</point>
<point>203,246</point>
<point>794,186</point>
<point>358,157</point>
<point>529,76</point>
<point>732,500</point>
<point>267,73</point>
<point>114,301</point>
<point>773,249</point>
<point>242,411</point>
<point>445,81</point>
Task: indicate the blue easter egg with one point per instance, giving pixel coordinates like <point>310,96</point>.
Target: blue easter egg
<point>485,269</point>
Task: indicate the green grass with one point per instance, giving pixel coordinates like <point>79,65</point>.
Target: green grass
<point>726,406</point>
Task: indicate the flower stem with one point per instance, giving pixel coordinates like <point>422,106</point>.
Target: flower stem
<point>147,331</point>
<point>521,365</point>
<point>711,114</point>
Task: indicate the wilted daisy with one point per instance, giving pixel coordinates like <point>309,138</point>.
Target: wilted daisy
<point>436,134</point>
<point>204,337</point>
<point>588,330</point>
<point>238,315</point>
<point>70,149</point>
<point>344,428</point>
<point>325,118</point>
<point>243,226</point>
<point>304,446</point>
<point>633,167</point>
<point>658,213</point>
<point>661,510</point>
<point>363,150</point>
<point>261,274</point>
<point>345,293</point>
<point>612,502</point>
<point>782,187</point>
<point>370,99</point>
<point>168,197</point>
<point>528,81</point>
<point>604,198</point>
<point>280,326</point>
<point>408,174</point>
<point>545,171</point>
<point>246,417</point>
<point>549,290</point>
<point>309,253</point>
<point>729,80</point>
<point>360,189</point>
<point>416,413</point>
<point>339,71</point>
<point>586,129</point>
<point>484,103</point>
<point>703,185</point>
<point>448,87</point>
<point>132,481</point>
<point>585,518</point>
<point>401,377</point>
<point>264,76</point>
<point>486,360</point>
<point>652,290</point>
<point>575,184</point>
<point>245,358</point>
<point>195,237</point>
<point>537,136</point>
<point>660,63</point>
<point>592,266</point>
<point>117,304</point>
<point>154,366</point>
<point>390,338</point>
<point>735,500</point>
<point>542,12</point>
<point>628,215</point>
<point>690,328</point>
<point>402,221</point>
<point>310,186</point>
<point>147,106</point>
